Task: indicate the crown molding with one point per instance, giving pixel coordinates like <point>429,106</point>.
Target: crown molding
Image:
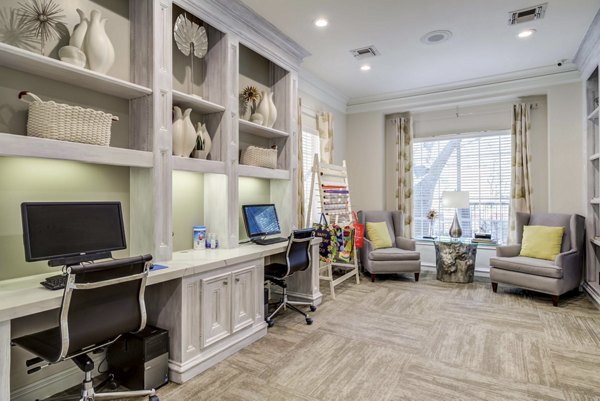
<point>500,87</point>
<point>321,90</point>
<point>587,55</point>
<point>235,17</point>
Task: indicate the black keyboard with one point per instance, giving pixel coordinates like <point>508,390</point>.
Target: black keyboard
<point>269,241</point>
<point>57,282</point>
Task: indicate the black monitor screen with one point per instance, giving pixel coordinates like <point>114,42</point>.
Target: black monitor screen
<point>54,230</point>
<point>260,220</point>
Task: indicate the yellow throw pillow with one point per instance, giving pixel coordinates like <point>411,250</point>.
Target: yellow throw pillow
<point>379,235</point>
<point>541,242</point>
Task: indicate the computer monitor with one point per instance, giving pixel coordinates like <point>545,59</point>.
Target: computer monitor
<point>260,220</point>
<point>66,233</point>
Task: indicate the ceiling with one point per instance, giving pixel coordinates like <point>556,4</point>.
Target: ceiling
<point>483,44</point>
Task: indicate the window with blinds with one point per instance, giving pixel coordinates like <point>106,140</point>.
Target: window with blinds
<point>310,147</point>
<point>479,163</point>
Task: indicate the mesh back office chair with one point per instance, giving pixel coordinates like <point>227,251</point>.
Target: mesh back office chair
<point>297,259</point>
<point>101,302</point>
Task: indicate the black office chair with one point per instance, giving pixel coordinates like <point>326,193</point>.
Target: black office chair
<point>101,301</point>
<point>297,259</point>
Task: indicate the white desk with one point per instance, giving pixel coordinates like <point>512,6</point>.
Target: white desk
<point>25,297</point>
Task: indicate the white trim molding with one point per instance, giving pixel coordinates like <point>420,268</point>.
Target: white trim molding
<point>319,89</point>
<point>587,55</point>
<point>490,89</point>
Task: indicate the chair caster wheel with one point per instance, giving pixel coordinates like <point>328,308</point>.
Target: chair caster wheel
<point>270,322</point>
<point>309,321</point>
<point>313,308</point>
<point>153,398</point>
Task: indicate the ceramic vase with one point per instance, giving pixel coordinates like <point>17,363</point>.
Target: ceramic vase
<point>184,134</point>
<point>177,132</point>
<point>257,118</point>
<point>263,108</point>
<point>272,111</point>
<point>73,53</point>
<point>80,31</point>
<point>205,138</point>
<point>97,46</point>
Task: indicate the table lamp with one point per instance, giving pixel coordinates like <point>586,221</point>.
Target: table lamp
<point>457,200</point>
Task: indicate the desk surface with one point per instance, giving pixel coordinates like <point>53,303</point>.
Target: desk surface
<point>25,296</point>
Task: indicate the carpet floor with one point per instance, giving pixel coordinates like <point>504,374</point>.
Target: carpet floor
<point>397,340</point>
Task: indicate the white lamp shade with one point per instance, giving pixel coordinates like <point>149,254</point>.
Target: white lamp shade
<point>455,199</point>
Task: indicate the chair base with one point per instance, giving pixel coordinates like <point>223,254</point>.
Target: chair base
<point>285,303</point>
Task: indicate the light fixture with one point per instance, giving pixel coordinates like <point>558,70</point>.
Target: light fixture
<point>457,200</point>
<point>365,67</point>
<point>321,22</point>
<point>526,33</point>
<point>436,37</point>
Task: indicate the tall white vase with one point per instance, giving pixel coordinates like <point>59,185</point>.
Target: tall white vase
<point>272,111</point>
<point>80,31</point>
<point>98,47</point>
<point>263,108</point>
<point>189,134</point>
<point>177,132</point>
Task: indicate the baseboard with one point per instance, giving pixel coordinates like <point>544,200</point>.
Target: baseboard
<point>50,385</point>
<point>593,292</point>
<point>182,372</point>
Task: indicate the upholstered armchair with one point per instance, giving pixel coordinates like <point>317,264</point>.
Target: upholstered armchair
<point>400,258</point>
<point>555,277</point>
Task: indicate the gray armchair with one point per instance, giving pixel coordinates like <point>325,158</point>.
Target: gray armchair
<point>550,277</point>
<point>400,258</point>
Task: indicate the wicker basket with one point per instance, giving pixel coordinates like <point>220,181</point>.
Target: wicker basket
<point>259,157</point>
<point>53,120</point>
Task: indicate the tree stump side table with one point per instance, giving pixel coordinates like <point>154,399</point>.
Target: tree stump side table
<point>455,261</point>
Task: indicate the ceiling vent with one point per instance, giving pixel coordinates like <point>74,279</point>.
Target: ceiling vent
<point>365,52</point>
<point>527,14</point>
<point>435,37</point>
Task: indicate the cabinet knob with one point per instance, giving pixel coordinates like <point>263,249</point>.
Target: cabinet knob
<point>237,280</point>
<point>224,282</point>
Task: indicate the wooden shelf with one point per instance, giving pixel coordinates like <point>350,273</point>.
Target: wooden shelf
<point>27,146</point>
<point>196,103</point>
<point>32,63</point>
<point>261,172</point>
<point>595,201</point>
<point>595,241</point>
<point>594,157</point>
<point>259,130</point>
<point>594,114</point>
<point>198,165</point>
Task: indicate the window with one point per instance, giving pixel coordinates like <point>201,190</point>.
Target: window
<point>479,163</point>
<point>310,147</point>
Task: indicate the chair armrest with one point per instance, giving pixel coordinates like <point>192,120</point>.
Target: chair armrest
<point>569,259</point>
<point>406,244</point>
<point>508,251</point>
<point>368,246</point>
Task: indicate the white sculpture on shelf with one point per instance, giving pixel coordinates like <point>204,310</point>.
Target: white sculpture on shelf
<point>184,134</point>
<point>204,142</point>
<point>89,45</point>
<point>267,109</point>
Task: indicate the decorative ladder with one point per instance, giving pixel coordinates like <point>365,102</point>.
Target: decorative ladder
<point>334,193</point>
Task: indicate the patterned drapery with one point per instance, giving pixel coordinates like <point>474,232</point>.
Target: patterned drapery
<point>404,173</point>
<point>325,128</point>
<point>300,170</point>
<point>520,199</point>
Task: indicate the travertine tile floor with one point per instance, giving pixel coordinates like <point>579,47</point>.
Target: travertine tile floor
<point>397,340</point>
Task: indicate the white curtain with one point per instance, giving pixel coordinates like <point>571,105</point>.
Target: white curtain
<point>404,172</point>
<point>325,128</point>
<point>520,199</point>
<point>300,170</point>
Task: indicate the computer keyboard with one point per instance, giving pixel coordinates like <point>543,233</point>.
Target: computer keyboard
<point>269,241</point>
<point>57,282</point>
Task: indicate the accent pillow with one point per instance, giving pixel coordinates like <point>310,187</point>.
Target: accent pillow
<point>379,235</point>
<point>541,242</point>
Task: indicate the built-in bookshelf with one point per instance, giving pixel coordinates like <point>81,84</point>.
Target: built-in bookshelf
<point>591,110</point>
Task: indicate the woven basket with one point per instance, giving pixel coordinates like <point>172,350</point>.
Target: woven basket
<point>53,120</point>
<point>259,157</point>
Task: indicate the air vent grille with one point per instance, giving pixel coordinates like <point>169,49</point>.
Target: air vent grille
<point>527,14</point>
<point>365,52</point>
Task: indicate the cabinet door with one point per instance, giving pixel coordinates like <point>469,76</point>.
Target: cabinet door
<point>191,307</point>
<point>216,308</point>
<point>244,290</point>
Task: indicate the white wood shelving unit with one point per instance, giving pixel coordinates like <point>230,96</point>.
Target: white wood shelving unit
<point>262,131</point>
<point>195,102</point>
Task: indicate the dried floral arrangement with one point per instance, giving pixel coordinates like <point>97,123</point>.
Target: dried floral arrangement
<point>250,96</point>
<point>42,18</point>
<point>432,214</point>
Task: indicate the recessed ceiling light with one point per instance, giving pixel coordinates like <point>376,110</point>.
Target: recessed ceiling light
<point>365,67</point>
<point>321,22</point>
<point>526,33</point>
<point>435,37</point>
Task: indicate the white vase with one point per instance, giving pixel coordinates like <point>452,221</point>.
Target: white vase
<point>263,108</point>
<point>257,118</point>
<point>272,111</point>
<point>189,134</point>
<point>72,55</point>
<point>177,132</point>
<point>80,31</point>
<point>205,137</point>
<point>98,47</point>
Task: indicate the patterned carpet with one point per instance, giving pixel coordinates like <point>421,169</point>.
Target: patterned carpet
<point>397,340</point>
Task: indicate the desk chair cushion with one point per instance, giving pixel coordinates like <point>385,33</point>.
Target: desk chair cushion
<point>276,270</point>
<point>523,264</point>
<point>42,344</point>
<point>391,254</point>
